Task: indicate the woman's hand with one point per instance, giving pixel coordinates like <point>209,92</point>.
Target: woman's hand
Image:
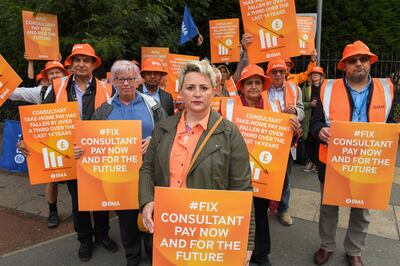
<point>78,151</point>
<point>145,144</point>
<point>325,134</point>
<point>147,212</point>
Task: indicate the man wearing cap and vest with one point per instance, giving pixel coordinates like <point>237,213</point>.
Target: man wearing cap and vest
<point>356,98</point>
<point>90,93</point>
<point>152,72</point>
<point>52,70</point>
<point>310,96</point>
<point>252,83</point>
<point>300,78</point>
<point>290,99</point>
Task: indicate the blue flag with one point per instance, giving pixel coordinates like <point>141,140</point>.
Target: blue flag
<point>11,158</point>
<point>188,27</point>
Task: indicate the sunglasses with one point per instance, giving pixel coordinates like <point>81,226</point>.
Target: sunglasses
<point>353,60</point>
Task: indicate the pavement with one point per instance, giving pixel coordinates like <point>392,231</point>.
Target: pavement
<point>23,206</point>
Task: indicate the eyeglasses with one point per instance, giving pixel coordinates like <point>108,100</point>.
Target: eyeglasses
<point>122,80</point>
<point>276,71</point>
<point>353,60</point>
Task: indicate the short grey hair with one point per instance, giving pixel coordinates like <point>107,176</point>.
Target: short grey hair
<point>202,67</point>
<point>124,66</point>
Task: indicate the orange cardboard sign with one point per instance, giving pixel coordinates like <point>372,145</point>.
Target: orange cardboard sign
<point>175,61</point>
<point>108,170</point>
<point>160,53</point>
<point>200,227</point>
<point>49,135</point>
<point>40,36</point>
<point>268,137</point>
<point>360,164</point>
<point>9,80</point>
<point>306,32</point>
<point>273,27</point>
<point>224,40</point>
<point>230,86</point>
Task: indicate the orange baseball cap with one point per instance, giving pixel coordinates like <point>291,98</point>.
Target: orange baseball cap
<point>252,70</point>
<point>50,65</point>
<point>317,69</point>
<point>151,64</point>
<point>83,49</point>
<point>276,64</point>
<point>356,48</point>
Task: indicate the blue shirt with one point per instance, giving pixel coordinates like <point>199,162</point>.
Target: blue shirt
<point>360,99</point>
<point>135,110</point>
<point>79,94</point>
<point>155,95</point>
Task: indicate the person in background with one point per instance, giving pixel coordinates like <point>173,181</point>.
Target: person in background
<point>175,140</point>
<point>219,89</point>
<point>310,97</point>
<point>300,78</point>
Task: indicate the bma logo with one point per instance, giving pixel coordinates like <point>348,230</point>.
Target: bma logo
<point>155,63</point>
<point>184,29</point>
<point>355,201</point>
<point>110,203</point>
<point>381,106</point>
<point>77,46</point>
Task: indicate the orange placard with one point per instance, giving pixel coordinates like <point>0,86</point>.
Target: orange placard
<point>175,61</point>
<point>268,137</point>
<point>160,53</point>
<point>360,164</point>
<point>224,40</point>
<point>306,32</point>
<point>9,80</point>
<point>49,134</point>
<point>219,104</point>
<point>108,170</point>
<point>200,227</point>
<point>230,86</point>
<point>274,29</point>
<point>40,36</point>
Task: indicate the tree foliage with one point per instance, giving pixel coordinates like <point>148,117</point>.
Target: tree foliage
<point>118,28</point>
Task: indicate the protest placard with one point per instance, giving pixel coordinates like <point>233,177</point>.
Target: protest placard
<point>273,27</point>
<point>306,27</point>
<point>49,135</point>
<point>175,61</point>
<point>224,40</point>
<point>360,164</point>
<point>108,169</point>
<point>268,137</point>
<point>200,227</point>
<point>159,53</point>
<point>40,36</point>
<point>9,80</point>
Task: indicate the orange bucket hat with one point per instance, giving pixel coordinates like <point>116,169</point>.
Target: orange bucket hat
<point>50,65</point>
<point>356,48</point>
<point>39,76</point>
<point>252,70</point>
<point>83,49</point>
<point>276,64</point>
<point>151,64</point>
<point>317,69</point>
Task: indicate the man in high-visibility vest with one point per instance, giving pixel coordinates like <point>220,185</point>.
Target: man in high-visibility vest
<point>289,96</point>
<point>356,98</point>
<point>90,93</point>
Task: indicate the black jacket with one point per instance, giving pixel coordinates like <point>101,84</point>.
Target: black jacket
<point>166,100</point>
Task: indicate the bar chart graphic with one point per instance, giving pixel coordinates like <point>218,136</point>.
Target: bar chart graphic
<point>222,50</point>
<point>177,85</point>
<point>303,41</point>
<point>255,172</point>
<point>267,40</point>
<point>50,159</point>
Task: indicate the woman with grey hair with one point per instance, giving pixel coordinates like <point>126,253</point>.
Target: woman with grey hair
<point>129,104</point>
<point>175,140</point>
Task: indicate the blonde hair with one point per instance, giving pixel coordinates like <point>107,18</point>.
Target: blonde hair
<point>202,67</point>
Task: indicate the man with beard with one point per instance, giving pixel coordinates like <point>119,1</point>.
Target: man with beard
<point>356,98</point>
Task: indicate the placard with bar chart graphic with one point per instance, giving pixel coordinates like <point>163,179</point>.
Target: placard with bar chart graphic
<point>224,40</point>
<point>306,25</point>
<point>175,61</point>
<point>9,80</point>
<point>273,27</point>
<point>268,137</point>
<point>49,135</point>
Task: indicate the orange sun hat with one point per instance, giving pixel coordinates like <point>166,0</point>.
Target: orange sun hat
<point>83,49</point>
<point>50,65</point>
<point>356,48</point>
<point>151,64</point>
<point>252,70</point>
